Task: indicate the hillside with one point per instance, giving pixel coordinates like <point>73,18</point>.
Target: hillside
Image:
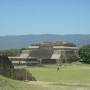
<point>8,84</point>
<point>22,41</point>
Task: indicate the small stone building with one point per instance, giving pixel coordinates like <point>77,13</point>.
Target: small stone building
<point>7,69</point>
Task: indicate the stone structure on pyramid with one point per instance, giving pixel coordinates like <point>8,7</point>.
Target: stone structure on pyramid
<point>47,53</point>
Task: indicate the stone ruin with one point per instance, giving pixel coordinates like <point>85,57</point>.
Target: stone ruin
<point>6,67</point>
<point>47,53</point>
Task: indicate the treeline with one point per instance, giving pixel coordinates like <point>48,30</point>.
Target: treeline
<point>10,52</point>
<point>84,53</point>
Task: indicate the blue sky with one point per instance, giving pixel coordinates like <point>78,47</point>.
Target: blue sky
<point>19,17</point>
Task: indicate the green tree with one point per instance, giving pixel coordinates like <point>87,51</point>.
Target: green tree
<point>84,53</point>
<point>10,52</point>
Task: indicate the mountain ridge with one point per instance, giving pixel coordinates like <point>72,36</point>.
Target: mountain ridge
<point>22,41</point>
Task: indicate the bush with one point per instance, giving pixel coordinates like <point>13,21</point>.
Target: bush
<point>84,53</point>
<point>10,52</point>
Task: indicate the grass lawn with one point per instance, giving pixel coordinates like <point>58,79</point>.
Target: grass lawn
<point>8,84</point>
<point>69,73</point>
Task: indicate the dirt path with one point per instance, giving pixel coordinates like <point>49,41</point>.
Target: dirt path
<point>50,86</point>
<point>39,83</point>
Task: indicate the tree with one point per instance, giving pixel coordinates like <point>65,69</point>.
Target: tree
<point>10,52</point>
<point>84,53</point>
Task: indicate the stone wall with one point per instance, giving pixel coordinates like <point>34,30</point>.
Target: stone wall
<point>6,67</point>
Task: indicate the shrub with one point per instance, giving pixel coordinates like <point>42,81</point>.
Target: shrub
<point>84,53</point>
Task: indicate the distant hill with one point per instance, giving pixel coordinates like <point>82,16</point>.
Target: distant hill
<point>22,41</point>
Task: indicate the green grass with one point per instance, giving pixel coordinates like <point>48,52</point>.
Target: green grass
<point>8,84</point>
<point>69,73</point>
<point>74,76</point>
